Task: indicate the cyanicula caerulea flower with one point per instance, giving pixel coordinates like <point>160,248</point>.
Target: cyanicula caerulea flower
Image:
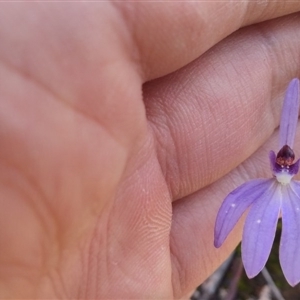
<point>269,199</point>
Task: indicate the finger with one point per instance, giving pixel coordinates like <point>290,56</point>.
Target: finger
<point>170,35</point>
<point>113,39</point>
<point>84,64</point>
<point>193,224</point>
<point>211,115</point>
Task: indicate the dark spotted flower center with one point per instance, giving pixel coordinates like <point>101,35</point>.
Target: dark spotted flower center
<point>285,156</point>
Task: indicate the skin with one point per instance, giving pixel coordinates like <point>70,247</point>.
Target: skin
<point>110,183</point>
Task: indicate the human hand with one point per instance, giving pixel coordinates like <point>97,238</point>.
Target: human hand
<point>109,190</point>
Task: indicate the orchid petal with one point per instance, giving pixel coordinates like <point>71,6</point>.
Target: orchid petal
<point>294,169</point>
<point>259,230</point>
<point>289,253</point>
<point>272,158</point>
<point>235,205</point>
<point>289,115</point>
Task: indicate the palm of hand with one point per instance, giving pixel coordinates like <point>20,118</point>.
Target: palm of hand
<point>90,168</point>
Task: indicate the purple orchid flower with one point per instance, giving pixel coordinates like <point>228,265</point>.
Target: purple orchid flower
<point>269,198</point>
